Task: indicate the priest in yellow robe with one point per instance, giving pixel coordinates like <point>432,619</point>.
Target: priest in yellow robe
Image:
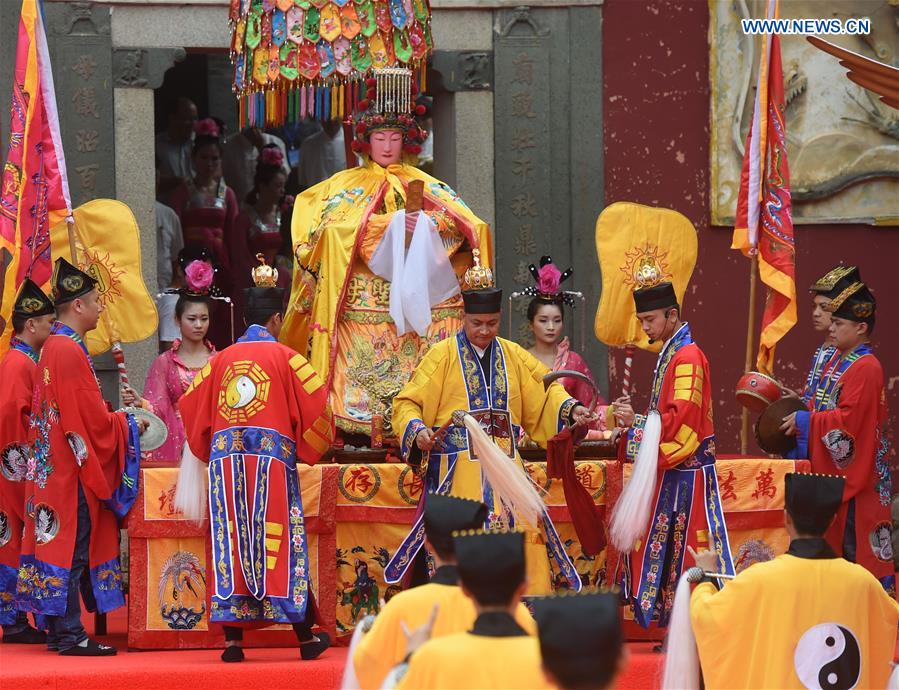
<point>384,646</point>
<point>501,385</point>
<point>340,313</point>
<point>806,619</point>
<point>497,653</point>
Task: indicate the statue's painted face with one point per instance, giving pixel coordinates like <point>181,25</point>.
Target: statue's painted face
<point>386,146</point>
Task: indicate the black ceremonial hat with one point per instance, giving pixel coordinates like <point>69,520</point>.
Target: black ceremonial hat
<point>69,282</point>
<point>812,500</point>
<point>264,298</point>
<point>489,560</point>
<point>660,296</point>
<point>855,303</point>
<point>31,301</point>
<point>835,281</point>
<point>485,301</point>
<point>580,636</point>
<point>447,514</point>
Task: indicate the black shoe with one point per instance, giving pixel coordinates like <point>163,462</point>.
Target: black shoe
<point>232,654</point>
<point>314,648</point>
<point>92,648</point>
<point>28,636</point>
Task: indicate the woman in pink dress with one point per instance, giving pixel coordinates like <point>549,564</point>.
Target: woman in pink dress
<point>174,370</point>
<point>257,229</point>
<point>208,208</point>
<point>546,316</point>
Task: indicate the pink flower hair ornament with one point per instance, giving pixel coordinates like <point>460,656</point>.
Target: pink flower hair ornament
<point>199,276</point>
<point>548,281</point>
<point>271,155</point>
<point>207,127</point>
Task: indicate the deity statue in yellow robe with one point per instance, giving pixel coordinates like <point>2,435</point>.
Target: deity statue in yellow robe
<point>340,309</point>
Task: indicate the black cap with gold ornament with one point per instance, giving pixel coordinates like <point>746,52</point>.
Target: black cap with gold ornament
<point>31,301</point>
<point>69,282</point>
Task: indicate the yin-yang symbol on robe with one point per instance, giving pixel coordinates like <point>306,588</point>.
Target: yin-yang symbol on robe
<point>240,392</point>
<point>828,657</point>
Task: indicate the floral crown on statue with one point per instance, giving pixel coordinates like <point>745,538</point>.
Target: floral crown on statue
<point>547,283</point>
<point>389,103</point>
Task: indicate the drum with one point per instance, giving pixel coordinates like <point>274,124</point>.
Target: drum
<point>767,430</point>
<point>756,391</point>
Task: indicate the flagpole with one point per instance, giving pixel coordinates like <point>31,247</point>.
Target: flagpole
<point>750,342</point>
<point>70,226</point>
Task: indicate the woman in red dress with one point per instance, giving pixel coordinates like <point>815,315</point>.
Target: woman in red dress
<point>206,206</point>
<point>257,229</point>
<point>174,370</point>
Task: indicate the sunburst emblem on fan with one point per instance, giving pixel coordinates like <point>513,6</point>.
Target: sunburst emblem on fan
<point>99,266</point>
<point>243,392</point>
<point>645,266</point>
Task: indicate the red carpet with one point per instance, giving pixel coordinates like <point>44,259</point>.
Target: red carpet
<point>31,667</point>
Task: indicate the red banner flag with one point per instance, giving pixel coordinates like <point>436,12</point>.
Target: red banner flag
<point>764,221</point>
<point>34,192</point>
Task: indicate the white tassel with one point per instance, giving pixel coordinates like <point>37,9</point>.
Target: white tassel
<point>893,681</point>
<point>192,492</point>
<point>681,656</point>
<point>510,482</point>
<point>630,518</point>
<point>350,681</point>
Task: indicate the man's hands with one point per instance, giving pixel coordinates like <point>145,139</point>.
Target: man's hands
<point>425,440</point>
<point>581,415</point>
<point>789,425</point>
<point>130,398</point>
<point>623,412</point>
<point>416,638</point>
<point>707,560</point>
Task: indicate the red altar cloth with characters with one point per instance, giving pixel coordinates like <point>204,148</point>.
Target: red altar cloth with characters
<point>361,512</point>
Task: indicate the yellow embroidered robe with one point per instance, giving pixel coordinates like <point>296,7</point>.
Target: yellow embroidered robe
<point>339,310</point>
<point>384,646</point>
<point>511,394</point>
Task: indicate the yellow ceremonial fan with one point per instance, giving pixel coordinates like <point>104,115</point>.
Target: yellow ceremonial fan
<point>108,242</point>
<point>639,246</point>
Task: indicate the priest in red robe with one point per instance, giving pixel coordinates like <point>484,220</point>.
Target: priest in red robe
<point>32,317</point>
<point>81,477</point>
<point>672,498</point>
<point>843,433</point>
<point>253,412</point>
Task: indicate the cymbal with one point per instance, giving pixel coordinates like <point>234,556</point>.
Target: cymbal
<point>767,429</point>
<point>155,434</point>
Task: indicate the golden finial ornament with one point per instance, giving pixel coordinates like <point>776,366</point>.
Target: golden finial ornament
<point>477,277</point>
<point>264,275</point>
